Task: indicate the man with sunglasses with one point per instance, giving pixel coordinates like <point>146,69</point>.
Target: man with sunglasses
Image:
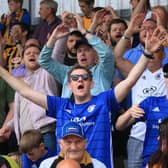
<point>91,52</point>
<point>92,112</point>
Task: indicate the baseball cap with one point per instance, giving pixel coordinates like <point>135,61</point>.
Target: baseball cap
<point>72,128</point>
<point>165,70</point>
<point>82,41</point>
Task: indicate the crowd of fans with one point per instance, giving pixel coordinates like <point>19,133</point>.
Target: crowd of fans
<point>86,90</point>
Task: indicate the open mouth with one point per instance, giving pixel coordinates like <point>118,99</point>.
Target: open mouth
<point>118,36</point>
<point>83,60</point>
<point>32,60</point>
<point>80,87</point>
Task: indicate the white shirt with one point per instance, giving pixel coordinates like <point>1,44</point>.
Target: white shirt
<point>149,84</point>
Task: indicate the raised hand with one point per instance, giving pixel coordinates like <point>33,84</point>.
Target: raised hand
<point>80,24</point>
<point>60,31</point>
<point>135,23</point>
<point>69,20</point>
<point>156,40</point>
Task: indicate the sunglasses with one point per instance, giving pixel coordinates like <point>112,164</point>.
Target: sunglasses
<point>76,77</point>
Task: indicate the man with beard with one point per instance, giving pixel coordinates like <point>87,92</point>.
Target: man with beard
<point>64,50</point>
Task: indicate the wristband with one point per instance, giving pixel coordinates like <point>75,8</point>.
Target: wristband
<point>148,54</point>
<point>125,37</point>
<point>86,32</point>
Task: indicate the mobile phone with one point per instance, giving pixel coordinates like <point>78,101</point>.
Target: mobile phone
<point>148,15</point>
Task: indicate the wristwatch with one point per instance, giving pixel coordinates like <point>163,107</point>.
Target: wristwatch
<point>126,37</point>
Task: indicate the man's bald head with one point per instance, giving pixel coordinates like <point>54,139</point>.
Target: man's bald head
<point>68,163</point>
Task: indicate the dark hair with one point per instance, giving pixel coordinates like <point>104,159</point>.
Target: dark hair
<point>77,66</point>
<point>17,1</point>
<point>87,1</point>
<point>29,140</point>
<point>148,5</point>
<point>163,130</point>
<point>160,157</point>
<point>24,27</point>
<point>76,33</point>
<point>117,21</point>
<point>95,9</point>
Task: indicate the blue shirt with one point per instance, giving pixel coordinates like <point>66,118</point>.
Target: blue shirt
<point>156,109</point>
<point>27,163</point>
<point>94,116</point>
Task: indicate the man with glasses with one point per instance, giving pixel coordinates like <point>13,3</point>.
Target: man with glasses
<point>151,78</point>
<point>152,110</point>
<point>91,52</point>
<point>92,112</point>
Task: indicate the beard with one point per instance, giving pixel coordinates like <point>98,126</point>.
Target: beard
<point>113,43</point>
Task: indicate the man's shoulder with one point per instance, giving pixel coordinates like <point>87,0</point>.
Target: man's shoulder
<point>48,162</point>
<point>133,54</point>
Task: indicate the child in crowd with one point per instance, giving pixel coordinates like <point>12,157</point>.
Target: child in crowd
<point>159,159</point>
<point>33,148</point>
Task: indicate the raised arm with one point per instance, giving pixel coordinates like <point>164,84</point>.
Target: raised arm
<point>151,45</point>
<point>55,68</point>
<point>142,7</point>
<point>23,89</point>
<point>122,45</point>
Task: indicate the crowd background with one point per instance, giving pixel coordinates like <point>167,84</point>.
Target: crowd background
<point>117,44</point>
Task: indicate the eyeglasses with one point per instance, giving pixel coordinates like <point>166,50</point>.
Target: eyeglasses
<point>76,77</point>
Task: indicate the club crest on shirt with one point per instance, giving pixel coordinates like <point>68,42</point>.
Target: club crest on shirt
<point>91,108</point>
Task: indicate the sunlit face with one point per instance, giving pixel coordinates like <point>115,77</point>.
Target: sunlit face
<point>73,147</point>
<point>85,8</point>
<point>81,87</point>
<point>35,154</point>
<point>147,26</point>
<point>30,58</point>
<point>71,43</point>
<point>44,11</point>
<point>116,31</point>
<point>13,6</point>
<point>86,56</point>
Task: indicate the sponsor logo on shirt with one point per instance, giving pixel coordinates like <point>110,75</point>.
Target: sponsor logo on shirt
<point>91,108</point>
<point>156,109</point>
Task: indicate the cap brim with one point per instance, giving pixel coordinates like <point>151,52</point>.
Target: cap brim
<point>82,42</point>
<point>73,134</point>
